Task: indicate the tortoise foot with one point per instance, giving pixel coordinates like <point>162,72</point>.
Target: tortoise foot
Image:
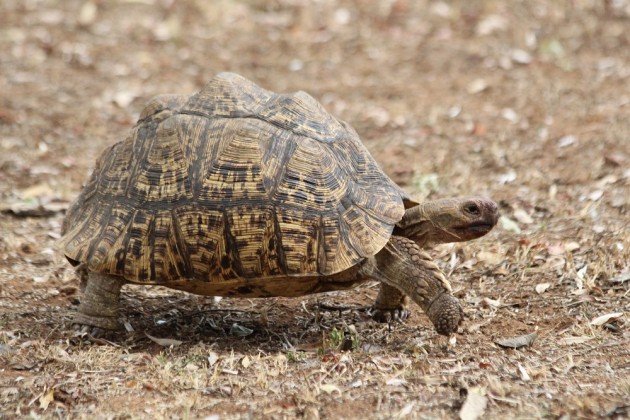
<point>94,326</point>
<point>387,315</point>
<point>98,311</point>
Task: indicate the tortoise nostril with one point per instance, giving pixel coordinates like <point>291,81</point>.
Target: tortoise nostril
<point>473,209</point>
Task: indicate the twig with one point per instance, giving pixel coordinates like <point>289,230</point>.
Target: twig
<point>332,308</point>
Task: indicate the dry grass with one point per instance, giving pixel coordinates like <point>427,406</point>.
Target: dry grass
<point>526,102</point>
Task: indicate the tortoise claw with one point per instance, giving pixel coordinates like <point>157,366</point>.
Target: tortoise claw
<point>89,330</point>
<point>388,315</point>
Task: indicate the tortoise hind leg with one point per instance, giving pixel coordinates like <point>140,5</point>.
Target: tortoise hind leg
<point>390,305</point>
<point>98,311</point>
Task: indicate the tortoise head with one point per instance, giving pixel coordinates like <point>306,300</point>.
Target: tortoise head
<point>448,220</point>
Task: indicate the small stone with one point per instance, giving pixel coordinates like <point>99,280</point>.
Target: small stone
<point>566,141</point>
<point>454,111</point>
<point>476,86</point>
<point>521,56</point>
<point>510,115</point>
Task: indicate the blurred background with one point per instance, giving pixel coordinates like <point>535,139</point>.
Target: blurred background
<point>451,97</point>
<point>526,102</point>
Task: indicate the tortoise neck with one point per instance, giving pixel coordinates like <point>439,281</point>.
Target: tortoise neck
<point>425,223</point>
<point>416,225</point>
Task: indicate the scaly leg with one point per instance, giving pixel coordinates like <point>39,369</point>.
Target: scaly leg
<point>99,305</point>
<point>390,305</point>
<point>401,264</point>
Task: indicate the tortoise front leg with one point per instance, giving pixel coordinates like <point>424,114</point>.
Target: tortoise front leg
<point>390,305</point>
<point>99,304</point>
<point>402,265</point>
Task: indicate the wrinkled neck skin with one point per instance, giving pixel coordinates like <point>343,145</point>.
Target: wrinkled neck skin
<point>422,224</point>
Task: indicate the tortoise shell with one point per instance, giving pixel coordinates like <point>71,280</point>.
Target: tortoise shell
<point>233,182</point>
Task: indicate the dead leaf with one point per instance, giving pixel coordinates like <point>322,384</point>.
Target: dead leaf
<point>524,375</point>
<point>124,98</point>
<point>491,24</point>
<point>87,14</point>
<point>479,129</point>
<point>522,216</point>
<point>396,382</point>
<point>476,86</point>
<point>571,246</point>
<point>542,287</point>
<point>509,225</point>
<point>517,342</point>
<point>552,48</point>
<point>165,342</point>
<point>7,117</point>
<point>167,29</point>
<point>329,388</point>
<point>212,358</point>
<point>601,320</point>
<point>246,362</point>
<point>521,56</point>
<point>46,399</point>
<point>575,340</point>
<point>510,115</point>
<point>240,331</point>
<point>621,278</point>
<point>38,190</point>
<point>441,9</point>
<point>581,273</point>
<point>454,111</point>
<point>506,178</point>
<point>618,200</point>
<point>474,406</point>
<point>491,302</point>
<point>614,159</point>
<point>191,367</point>
<point>566,141</point>
<point>406,410</point>
<point>490,258</point>
<point>556,248</point>
<point>596,195</point>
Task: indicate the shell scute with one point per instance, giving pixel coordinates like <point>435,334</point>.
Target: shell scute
<point>234,182</point>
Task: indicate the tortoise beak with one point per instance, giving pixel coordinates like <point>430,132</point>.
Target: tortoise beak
<point>492,212</point>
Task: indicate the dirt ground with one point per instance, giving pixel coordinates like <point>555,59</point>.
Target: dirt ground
<point>525,102</point>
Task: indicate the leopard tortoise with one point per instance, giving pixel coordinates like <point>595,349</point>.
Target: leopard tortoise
<point>239,191</point>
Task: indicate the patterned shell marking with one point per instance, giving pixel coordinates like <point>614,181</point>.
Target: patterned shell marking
<point>232,182</point>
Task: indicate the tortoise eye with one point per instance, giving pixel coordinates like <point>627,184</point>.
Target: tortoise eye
<point>473,209</point>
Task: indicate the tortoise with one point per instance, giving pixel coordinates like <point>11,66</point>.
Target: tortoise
<point>238,191</point>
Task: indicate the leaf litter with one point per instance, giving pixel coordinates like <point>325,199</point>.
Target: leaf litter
<point>497,128</point>
<point>517,341</point>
